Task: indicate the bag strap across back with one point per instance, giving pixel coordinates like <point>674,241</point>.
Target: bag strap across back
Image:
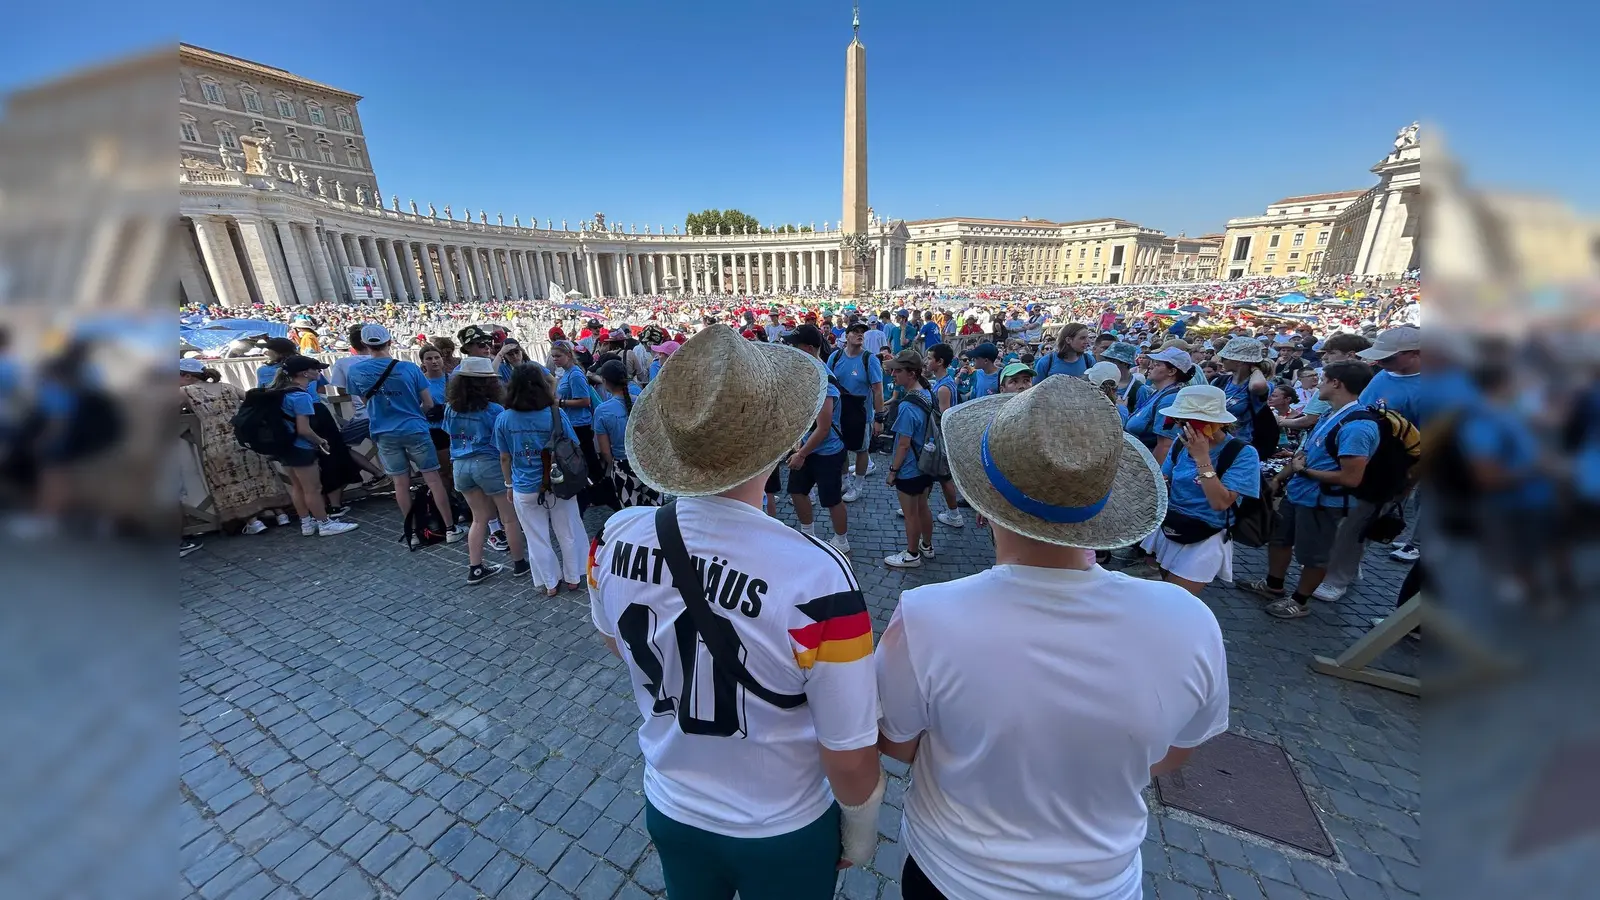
<point>714,630</point>
<point>381,379</point>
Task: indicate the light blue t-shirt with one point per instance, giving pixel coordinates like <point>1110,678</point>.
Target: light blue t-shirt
<point>1185,493</point>
<point>1243,406</point>
<point>856,374</point>
<point>298,403</point>
<point>985,383</point>
<point>1355,439</point>
<point>1496,435</point>
<point>948,381</point>
<point>472,433</point>
<point>655,369</point>
<point>929,333</point>
<point>1147,420</point>
<point>523,436</point>
<point>912,422</point>
<point>832,443</point>
<point>1053,364</point>
<point>573,386</point>
<point>269,372</point>
<point>1401,393</point>
<point>436,387</point>
<point>611,419</point>
<point>396,407</point>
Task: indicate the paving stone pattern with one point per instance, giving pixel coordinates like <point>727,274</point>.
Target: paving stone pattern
<point>357,722</point>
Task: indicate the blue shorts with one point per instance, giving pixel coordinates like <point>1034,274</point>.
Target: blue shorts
<point>399,453</point>
<point>298,457</point>
<point>480,473</point>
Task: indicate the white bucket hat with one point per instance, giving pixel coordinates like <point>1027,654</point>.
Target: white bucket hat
<point>1053,463</point>
<point>1243,350</point>
<point>1201,403</point>
<point>725,411</point>
<point>478,367</point>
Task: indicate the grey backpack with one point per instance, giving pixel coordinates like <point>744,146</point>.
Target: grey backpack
<point>930,451</point>
<point>566,472</point>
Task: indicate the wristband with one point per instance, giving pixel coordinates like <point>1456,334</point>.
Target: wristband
<point>858,826</point>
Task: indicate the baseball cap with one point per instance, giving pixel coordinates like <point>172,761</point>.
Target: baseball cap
<point>804,336</point>
<point>905,359</point>
<point>1395,340</point>
<point>192,366</point>
<point>375,335</point>
<point>984,351</point>
<point>857,328</point>
<point>1015,368</point>
<point>294,365</point>
<point>1174,357</point>
<point>474,334</point>
<point>666,348</point>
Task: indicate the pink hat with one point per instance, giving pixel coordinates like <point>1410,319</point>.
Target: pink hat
<point>667,348</point>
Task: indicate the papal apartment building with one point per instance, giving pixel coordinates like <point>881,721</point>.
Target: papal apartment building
<point>966,252</point>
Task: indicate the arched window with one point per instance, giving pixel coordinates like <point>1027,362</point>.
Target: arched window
<point>187,130</point>
<point>252,99</point>
<point>226,135</point>
<point>314,113</point>
<point>347,122</point>
<point>354,157</point>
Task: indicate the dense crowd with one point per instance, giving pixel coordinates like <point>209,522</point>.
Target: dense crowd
<point>1116,449</point>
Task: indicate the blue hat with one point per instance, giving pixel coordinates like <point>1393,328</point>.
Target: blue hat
<point>984,351</point>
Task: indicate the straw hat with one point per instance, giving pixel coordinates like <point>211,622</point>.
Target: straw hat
<point>725,411</point>
<point>1202,403</point>
<point>1053,463</point>
<point>1243,349</point>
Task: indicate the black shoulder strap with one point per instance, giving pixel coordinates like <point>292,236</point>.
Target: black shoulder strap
<point>714,630</point>
<point>381,379</point>
<point>1230,452</point>
<point>833,359</point>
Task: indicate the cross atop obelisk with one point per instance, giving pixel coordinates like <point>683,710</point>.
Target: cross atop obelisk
<point>853,262</point>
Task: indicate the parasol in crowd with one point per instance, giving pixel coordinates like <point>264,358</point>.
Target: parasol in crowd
<point>1295,297</point>
<point>1195,308</point>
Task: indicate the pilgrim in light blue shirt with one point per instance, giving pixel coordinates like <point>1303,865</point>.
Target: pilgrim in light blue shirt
<point>912,422</point>
<point>1358,438</point>
<point>572,386</point>
<point>396,407</point>
<point>611,419</point>
<point>298,403</point>
<point>1185,493</point>
<point>1493,434</point>
<point>523,436</point>
<point>472,433</point>
<point>1148,418</point>
<point>1401,393</point>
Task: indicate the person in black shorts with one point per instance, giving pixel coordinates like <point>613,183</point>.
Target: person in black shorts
<point>820,461</point>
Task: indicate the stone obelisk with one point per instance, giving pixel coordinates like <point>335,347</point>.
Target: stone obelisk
<point>852,268</point>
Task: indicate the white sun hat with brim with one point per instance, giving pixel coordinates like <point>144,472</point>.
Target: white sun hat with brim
<point>725,411</point>
<point>478,367</point>
<point>1200,403</point>
<point>1052,463</point>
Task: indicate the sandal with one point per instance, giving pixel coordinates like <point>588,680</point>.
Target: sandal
<point>1287,608</point>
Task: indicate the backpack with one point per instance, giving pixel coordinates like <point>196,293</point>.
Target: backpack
<point>1251,517</point>
<point>258,425</point>
<point>566,471</point>
<point>423,528</point>
<point>1265,432</point>
<point>1389,468</point>
<point>930,453</point>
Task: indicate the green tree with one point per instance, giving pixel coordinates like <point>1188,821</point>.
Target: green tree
<point>733,221</point>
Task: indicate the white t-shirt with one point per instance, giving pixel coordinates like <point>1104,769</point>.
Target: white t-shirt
<point>716,757</point>
<point>339,377</point>
<point>1044,696</point>
<point>874,340</point>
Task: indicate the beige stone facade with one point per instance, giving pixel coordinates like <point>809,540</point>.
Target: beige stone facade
<point>225,101</point>
<point>965,252</point>
<point>1378,234</point>
<point>1293,235</point>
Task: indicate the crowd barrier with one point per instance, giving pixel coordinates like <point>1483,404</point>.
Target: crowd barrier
<point>241,371</point>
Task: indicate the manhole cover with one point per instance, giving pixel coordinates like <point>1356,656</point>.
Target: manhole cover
<point>1250,785</point>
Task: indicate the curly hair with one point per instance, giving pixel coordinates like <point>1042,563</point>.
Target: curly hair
<point>467,394</point>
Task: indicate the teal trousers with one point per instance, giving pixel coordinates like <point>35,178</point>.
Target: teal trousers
<point>700,865</point>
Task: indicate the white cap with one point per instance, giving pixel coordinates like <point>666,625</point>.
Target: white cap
<point>375,335</point>
<point>1176,358</point>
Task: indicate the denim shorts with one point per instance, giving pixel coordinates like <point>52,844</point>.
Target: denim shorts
<point>481,473</point>
<point>298,457</point>
<point>399,453</point>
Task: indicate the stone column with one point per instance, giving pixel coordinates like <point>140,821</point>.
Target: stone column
<point>255,237</point>
<point>497,278</point>
<point>428,279</point>
<point>341,255</point>
<point>293,262</point>
<point>408,269</point>
<point>524,277</point>
<point>321,271</point>
<point>222,263</point>
<point>463,279</point>
<point>374,256</point>
<point>191,270</point>
<point>397,277</point>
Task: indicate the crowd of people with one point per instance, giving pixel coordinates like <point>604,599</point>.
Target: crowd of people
<point>1116,461</point>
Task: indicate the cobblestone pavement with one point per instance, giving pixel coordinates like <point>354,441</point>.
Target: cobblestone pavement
<point>357,722</point>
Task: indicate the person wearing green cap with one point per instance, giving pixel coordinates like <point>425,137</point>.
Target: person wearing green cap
<point>1016,378</point>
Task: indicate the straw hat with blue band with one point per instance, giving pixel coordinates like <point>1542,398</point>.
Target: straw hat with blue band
<point>1052,463</point>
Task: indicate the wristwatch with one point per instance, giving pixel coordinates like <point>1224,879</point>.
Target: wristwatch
<point>1210,474</point>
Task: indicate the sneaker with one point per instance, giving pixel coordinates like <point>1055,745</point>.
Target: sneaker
<point>330,528</point>
<point>186,547</point>
<point>851,494</point>
<point>900,513</point>
<point>308,526</point>
<point>1259,588</point>
<point>521,567</point>
<point>283,518</point>
<point>1327,592</point>
<point>872,465</point>
<point>498,542</point>
<point>951,518</point>
<point>254,526</point>
<point>1286,608</point>
<point>925,549</point>
<point>903,560</point>
<point>455,534</point>
<point>338,512</point>
<point>476,574</point>
<point>1408,553</point>
<point>841,543</point>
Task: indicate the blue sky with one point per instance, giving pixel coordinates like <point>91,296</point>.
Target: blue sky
<point>1175,116</point>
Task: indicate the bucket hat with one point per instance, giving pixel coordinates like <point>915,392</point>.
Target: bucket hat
<point>478,367</point>
<point>1243,350</point>
<point>1122,352</point>
<point>1053,463</point>
<point>725,411</point>
<point>1202,403</point>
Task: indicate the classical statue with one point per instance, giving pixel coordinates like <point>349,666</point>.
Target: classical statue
<point>600,221</point>
<point>394,202</point>
<point>813,226</point>
<point>633,229</point>
<point>361,195</point>
<point>447,213</point>
<point>322,187</point>
<point>563,224</point>
<point>674,229</point>
<point>413,207</point>
<point>432,213</point>
<point>228,162</point>
<point>1406,137</point>
<point>550,226</point>
<point>516,221</point>
<point>338,190</point>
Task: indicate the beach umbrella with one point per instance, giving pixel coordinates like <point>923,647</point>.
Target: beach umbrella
<point>1295,297</point>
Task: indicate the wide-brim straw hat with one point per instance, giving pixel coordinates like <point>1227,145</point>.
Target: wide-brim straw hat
<point>725,411</point>
<point>1243,349</point>
<point>1201,403</point>
<point>1052,463</point>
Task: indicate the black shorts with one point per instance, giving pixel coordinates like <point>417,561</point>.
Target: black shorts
<point>298,457</point>
<point>914,486</point>
<point>775,480</point>
<point>825,473</point>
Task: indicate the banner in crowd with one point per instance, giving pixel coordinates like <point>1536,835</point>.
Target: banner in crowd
<point>364,283</point>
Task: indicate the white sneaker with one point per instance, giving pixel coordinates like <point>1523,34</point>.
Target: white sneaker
<point>308,526</point>
<point>1327,592</point>
<point>900,513</point>
<point>851,494</point>
<point>925,550</point>
<point>332,527</point>
<point>872,465</point>
<point>902,560</point>
<point>950,517</point>
<point>841,543</point>
<point>455,534</point>
<point>808,529</point>
<point>283,518</point>
<point>1406,553</point>
<point>254,526</point>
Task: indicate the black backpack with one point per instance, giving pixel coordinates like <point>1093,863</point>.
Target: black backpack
<point>1388,471</point>
<point>1251,518</point>
<point>565,469</point>
<point>259,423</point>
<point>423,528</point>
<point>1265,432</point>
